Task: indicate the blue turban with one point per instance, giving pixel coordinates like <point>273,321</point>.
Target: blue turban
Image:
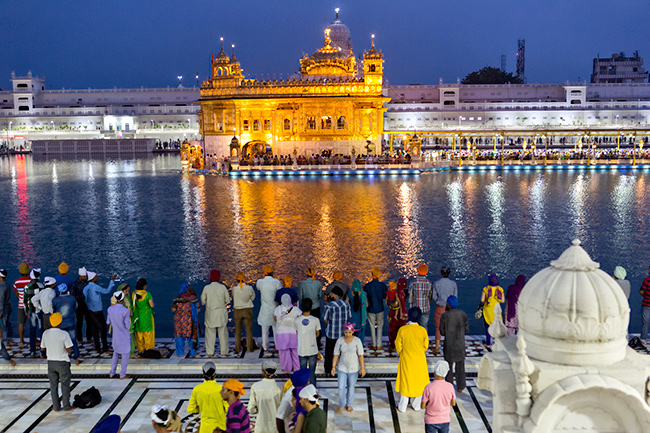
<point>301,377</point>
<point>414,314</point>
<point>452,301</point>
<point>62,288</point>
<point>110,424</point>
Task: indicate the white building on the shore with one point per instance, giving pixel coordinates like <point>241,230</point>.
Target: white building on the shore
<point>30,111</point>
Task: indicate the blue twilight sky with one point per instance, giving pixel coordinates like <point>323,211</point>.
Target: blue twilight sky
<point>133,43</point>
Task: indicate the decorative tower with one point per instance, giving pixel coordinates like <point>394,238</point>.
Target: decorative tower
<point>373,65</point>
<point>226,71</point>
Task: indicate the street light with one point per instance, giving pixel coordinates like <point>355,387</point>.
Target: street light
<point>180,80</point>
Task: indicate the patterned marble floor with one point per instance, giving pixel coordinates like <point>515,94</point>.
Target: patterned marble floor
<point>26,406</point>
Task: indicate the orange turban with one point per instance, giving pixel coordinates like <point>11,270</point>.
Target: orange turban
<point>337,275</point>
<point>239,276</point>
<point>423,269</point>
<point>63,268</point>
<point>288,280</point>
<point>311,272</point>
<point>375,272</point>
<point>235,385</point>
<point>267,269</point>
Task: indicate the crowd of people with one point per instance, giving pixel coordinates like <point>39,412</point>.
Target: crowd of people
<point>55,310</point>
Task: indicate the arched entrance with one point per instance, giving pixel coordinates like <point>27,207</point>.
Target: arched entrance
<point>255,147</point>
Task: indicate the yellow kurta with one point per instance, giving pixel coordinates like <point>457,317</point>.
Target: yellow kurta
<point>206,400</point>
<point>495,297</point>
<point>412,343</point>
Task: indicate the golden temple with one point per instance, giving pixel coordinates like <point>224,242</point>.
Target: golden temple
<point>332,104</point>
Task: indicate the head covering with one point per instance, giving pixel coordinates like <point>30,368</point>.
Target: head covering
<point>122,286</point>
<point>337,275</point>
<point>35,274</point>
<point>493,280</point>
<point>62,288</point>
<point>110,424</point>
<point>414,314</point>
<point>423,269</point>
<point>23,269</point>
<point>337,291</point>
<point>267,269</point>
<point>83,272</point>
<point>215,275</point>
<point>166,417</point>
<point>63,268</point>
<point>356,285</point>
<point>620,273</point>
<point>209,369</point>
<point>119,296</point>
<point>184,288</point>
<point>452,301</point>
<point>49,281</point>
<point>55,319</point>
<point>512,296</point>
<point>349,326</point>
<point>3,273</point>
<point>91,275</point>
<point>310,393</point>
<point>311,272</point>
<point>270,367</point>
<point>285,300</point>
<point>239,276</point>
<point>441,368</point>
<point>402,284</point>
<point>375,272</point>
<point>235,385</point>
<point>300,377</point>
<point>287,281</point>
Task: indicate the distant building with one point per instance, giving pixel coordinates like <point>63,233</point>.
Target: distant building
<point>619,69</point>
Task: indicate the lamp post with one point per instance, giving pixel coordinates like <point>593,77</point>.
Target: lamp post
<point>180,80</point>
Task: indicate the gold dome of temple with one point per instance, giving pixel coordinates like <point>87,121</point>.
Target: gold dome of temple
<point>329,60</point>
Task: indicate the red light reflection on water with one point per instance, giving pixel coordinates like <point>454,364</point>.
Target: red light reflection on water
<point>25,246</point>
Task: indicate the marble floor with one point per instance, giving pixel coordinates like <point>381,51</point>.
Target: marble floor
<point>26,406</point>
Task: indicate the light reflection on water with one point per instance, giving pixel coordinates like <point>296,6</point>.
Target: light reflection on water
<point>141,218</point>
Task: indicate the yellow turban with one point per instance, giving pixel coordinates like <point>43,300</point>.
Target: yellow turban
<point>23,269</point>
<point>288,280</point>
<point>63,268</point>
<point>375,272</point>
<point>268,269</point>
<point>55,319</point>
<point>239,276</point>
<point>337,275</point>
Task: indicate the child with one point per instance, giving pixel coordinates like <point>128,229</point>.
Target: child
<point>438,397</point>
<point>397,313</point>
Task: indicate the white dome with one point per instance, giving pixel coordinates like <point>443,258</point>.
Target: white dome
<point>574,313</point>
<point>340,34</point>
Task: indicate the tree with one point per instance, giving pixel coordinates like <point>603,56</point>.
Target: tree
<point>490,75</point>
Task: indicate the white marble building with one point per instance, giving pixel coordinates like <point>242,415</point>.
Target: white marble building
<point>569,368</point>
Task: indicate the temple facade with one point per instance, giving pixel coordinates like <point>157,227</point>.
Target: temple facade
<point>331,104</point>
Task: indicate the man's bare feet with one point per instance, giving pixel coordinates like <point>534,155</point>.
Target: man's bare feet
<point>77,361</point>
<point>339,410</point>
<point>12,362</point>
<point>125,377</point>
<point>461,390</point>
<point>349,409</point>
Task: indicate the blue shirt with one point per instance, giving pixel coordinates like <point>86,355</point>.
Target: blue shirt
<point>66,305</point>
<point>64,279</point>
<point>336,313</point>
<point>93,293</point>
<point>444,288</point>
<point>376,291</point>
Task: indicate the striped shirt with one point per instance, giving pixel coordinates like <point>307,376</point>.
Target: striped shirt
<point>645,289</point>
<point>420,290</point>
<point>336,313</point>
<point>19,288</point>
<point>237,419</point>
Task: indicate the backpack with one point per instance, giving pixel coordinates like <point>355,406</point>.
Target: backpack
<point>87,399</point>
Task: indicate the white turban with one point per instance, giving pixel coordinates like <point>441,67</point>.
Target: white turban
<point>620,273</point>
<point>441,368</point>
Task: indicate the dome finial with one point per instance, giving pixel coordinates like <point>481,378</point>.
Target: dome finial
<point>372,40</point>
<point>575,258</point>
<point>233,50</point>
<point>328,38</point>
<point>337,13</point>
<point>221,39</point>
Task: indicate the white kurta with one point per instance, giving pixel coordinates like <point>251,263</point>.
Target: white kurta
<point>215,298</point>
<point>264,400</point>
<point>267,287</point>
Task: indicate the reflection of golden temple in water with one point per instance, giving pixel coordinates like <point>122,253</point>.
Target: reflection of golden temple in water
<point>331,104</point>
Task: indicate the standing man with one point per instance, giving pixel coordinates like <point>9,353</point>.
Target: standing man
<point>268,286</point>
<point>77,291</point>
<point>237,418</point>
<point>337,312</point>
<point>645,308</point>
<point>420,295</point>
<point>619,275</point>
<point>34,315</point>
<point>19,290</point>
<point>5,308</point>
<point>265,399</point>
<point>308,330</point>
<point>376,293</point>
<point>336,282</point>
<point>119,317</point>
<point>315,419</point>
<point>57,345</point>
<point>454,325</point>
<point>243,296</point>
<point>93,293</point>
<point>313,289</point>
<point>63,277</point>
<point>215,298</point>
<point>206,400</point>
<point>66,305</point>
<point>442,289</point>
<point>43,300</point>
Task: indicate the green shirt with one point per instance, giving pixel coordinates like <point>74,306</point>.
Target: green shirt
<point>315,421</point>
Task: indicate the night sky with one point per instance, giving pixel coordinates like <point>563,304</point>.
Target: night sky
<point>120,43</point>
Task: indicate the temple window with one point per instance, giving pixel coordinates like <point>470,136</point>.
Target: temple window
<point>287,124</point>
<point>267,124</point>
<point>340,123</point>
<point>256,125</point>
<point>372,68</point>
<point>326,122</point>
<point>246,125</point>
<point>311,122</point>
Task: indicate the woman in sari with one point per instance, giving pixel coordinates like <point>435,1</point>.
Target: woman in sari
<point>512,297</point>
<point>143,324</point>
<point>286,342</point>
<point>186,307</point>
<point>358,306</point>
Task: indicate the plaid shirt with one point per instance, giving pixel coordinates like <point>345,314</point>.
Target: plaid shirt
<point>336,313</point>
<point>645,288</point>
<point>420,291</point>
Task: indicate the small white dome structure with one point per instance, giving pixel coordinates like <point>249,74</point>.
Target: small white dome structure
<point>573,313</point>
<point>569,368</point>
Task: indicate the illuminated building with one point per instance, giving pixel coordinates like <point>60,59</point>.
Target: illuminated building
<point>331,104</point>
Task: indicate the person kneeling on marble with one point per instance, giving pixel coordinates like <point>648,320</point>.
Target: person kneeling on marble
<point>165,420</point>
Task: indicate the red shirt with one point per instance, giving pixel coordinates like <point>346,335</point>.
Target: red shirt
<point>645,288</point>
<point>19,288</point>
